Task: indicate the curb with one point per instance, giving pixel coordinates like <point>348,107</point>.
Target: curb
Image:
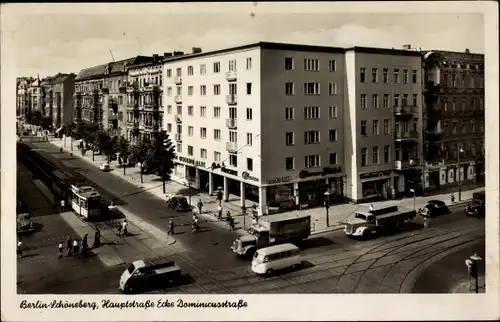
<point>330,229</point>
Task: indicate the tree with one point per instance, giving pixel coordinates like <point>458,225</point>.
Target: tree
<point>164,156</point>
<point>123,151</point>
<point>141,152</point>
<point>36,117</point>
<point>46,122</point>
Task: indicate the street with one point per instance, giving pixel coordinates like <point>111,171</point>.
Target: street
<point>332,262</point>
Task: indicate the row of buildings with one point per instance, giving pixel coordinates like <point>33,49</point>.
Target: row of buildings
<point>283,123</point>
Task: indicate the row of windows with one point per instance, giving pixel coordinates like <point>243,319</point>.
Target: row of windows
<point>310,161</point>
<point>451,150</point>
<point>216,68</point>
<point>387,127</point>
<point>233,90</point>
<point>233,158</point>
<point>398,100</point>
<point>310,137</point>
<point>396,73</point>
<point>376,155</point>
<point>233,111</point>
<point>452,106</point>
<point>464,123</point>
<point>311,112</point>
<point>463,80</point>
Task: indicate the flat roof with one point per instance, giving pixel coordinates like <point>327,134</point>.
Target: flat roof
<point>283,216</point>
<point>277,248</point>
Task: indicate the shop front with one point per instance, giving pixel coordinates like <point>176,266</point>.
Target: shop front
<point>375,185</point>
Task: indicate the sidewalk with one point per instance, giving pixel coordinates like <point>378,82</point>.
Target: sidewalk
<point>178,185</point>
<point>464,286</point>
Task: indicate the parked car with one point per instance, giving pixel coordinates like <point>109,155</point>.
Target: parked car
<point>475,208</point>
<point>105,167</point>
<point>25,223</point>
<point>179,204</point>
<point>434,208</point>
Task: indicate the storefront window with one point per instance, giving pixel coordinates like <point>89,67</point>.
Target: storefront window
<point>280,193</point>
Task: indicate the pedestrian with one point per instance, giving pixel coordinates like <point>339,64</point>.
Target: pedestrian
<point>220,212</point>
<point>371,207</point>
<point>60,250</point>
<point>19,248</point>
<point>69,245</point>
<point>124,227</point>
<point>427,222</point>
<point>200,205</point>
<point>97,238</point>
<point>63,205</point>
<point>394,194</point>
<point>452,197</point>
<point>75,247</point>
<point>171,227</point>
<point>85,244</point>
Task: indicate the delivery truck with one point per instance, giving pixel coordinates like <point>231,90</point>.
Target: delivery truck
<point>377,221</point>
<point>143,274</point>
<point>272,230</point>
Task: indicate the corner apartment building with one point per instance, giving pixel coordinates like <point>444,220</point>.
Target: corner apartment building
<point>280,122</point>
<point>58,100</point>
<point>454,118</point>
<point>23,99</point>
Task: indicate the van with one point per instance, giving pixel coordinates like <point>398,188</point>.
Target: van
<point>270,259</point>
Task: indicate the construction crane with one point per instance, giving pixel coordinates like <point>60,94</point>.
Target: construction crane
<point>112,55</point>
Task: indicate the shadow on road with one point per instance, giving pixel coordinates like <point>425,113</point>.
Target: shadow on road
<point>302,266</point>
<point>315,242</point>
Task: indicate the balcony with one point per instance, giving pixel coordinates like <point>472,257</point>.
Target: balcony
<point>232,147</point>
<point>405,164</point>
<point>231,99</point>
<point>432,88</point>
<point>231,76</point>
<point>130,122</point>
<point>148,127</point>
<point>178,137</point>
<point>104,90</point>
<point>178,80</point>
<point>231,123</point>
<point>412,135</point>
<point>112,116</point>
<point>132,105</point>
<point>434,164</point>
<point>178,99</point>
<point>123,87</point>
<point>151,88</point>
<point>178,118</point>
<point>132,87</point>
<point>433,136</point>
<point>405,110</point>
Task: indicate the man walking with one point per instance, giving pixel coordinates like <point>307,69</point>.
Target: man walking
<point>60,250</point>
<point>200,205</point>
<point>69,246</point>
<point>75,247</point>
<point>97,238</point>
<point>220,212</point>
<point>19,248</point>
<point>171,227</point>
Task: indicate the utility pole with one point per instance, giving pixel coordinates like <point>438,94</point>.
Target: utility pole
<point>459,176</point>
<point>112,55</point>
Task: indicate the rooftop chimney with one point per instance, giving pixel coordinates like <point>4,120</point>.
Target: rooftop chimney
<point>467,51</point>
<point>155,57</point>
<point>406,47</point>
<point>196,50</point>
<point>178,53</point>
<point>167,54</point>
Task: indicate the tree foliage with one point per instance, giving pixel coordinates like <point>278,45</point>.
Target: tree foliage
<point>36,117</point>
<point>141,152</point>
<point>123,150</point>
<point>165,155</point>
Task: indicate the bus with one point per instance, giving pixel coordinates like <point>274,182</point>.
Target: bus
<point>85,201</point>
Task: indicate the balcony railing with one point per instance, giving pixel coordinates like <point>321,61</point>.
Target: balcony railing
<point>178,137</point>
<point>178,118</point>
<point>434,164</point>
<point>148,127</point>
<point>231,123</point>
<point>231,75</point>
<point>104,90</point>
<point>151,87</point>
<point>132,86</point>
<point>404,164</point>
<point>112,116</point>
<point>405,110</point>
<point>130,122</point>
<point>231,99</point>
<point>232,147</point>
<point>178,80</point>
<point>178,99</point>
<point>412,135</point>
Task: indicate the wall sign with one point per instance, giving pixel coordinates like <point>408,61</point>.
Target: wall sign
<point>246,176</point>
<point>229,171</point>
<point>328,170</point>
<point>194,162</point>
<point>375,174</point>
<point>279,180</point>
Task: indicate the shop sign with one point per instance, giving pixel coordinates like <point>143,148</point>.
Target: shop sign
<point>229,171</point>
<point>246,176</point>
<point>279,180</point>
<point>328,170</point>
<point>194,162</point>
<point>375,174</point>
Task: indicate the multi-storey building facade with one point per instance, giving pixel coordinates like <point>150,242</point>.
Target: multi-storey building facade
<point>144,115</point>
<point>59,99</point>
<point>36,94</point>
<point>454,118</point>
<point>279,122</point>
<point>23,99</point>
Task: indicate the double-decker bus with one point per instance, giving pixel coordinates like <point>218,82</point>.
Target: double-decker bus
<point>85,201</point>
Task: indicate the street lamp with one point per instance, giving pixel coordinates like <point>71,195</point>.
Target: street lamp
<point>140,167</point>
<point>460,150</point>
<point>413,190</point>
<point>219,195</point>
<point>327,205</point>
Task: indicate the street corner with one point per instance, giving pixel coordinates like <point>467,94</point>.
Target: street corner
<point>467,285</point>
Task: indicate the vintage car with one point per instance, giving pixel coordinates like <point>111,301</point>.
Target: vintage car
<point>434,208</point>
<point>179,204</point>
<point>25,223</point>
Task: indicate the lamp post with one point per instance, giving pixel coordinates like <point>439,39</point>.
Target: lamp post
<point>474,269</point>
<point>140,170</point>
<point>244,211</point>
<point>327,205</point>
<point>460,150</point>
<point>219,195</point>
<point>413,190</point>
<point>189,180</point>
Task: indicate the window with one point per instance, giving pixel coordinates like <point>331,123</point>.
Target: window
<point>190,110</point>
<point>179,109</point>
<point>333,158</point>
<point>178,72</point>
<point>190,71</point>
<point>332,88</point>
<point>216,112</point>
<point>249,88</point>
<point>375,155</point>
<point>169,109</point>
<point>415,100</point>
<point>414,76</point>
<point>203,111</point>
<point>217,134</point>
<point>217,156</point>
<point>464,126</point>
<point>363,101</point>
<point>169,127</point>
<point>190,150</point>
<point>233,136</point>
<point>385,72</point>
<point>289,163</point>
<point>216,67</point>
<point>386,154</point>
<point>386,101</point>
<point>363,156</point>
<point>375,127</point>
<point>203,153</point>
<point>396,76</point>
<point>473,126</point>
<point>375,100</point>
<point>190,130</point>
<point>203,69</point>
<point>311,112</point>
<point>386,127</point>
<point>453,80</point>
<point>463,104</point>
<point>169,91</point>
<point>169,73</point>
<point>233,160</point>
<point>333,112</point>
<point>232,65</point>
<point>249,139</point>
<point>332,65</point>
<point>332,135</point>
<point>179,90</point>
<point>311,64</point>
<point>217,89</point>
<point>203,90</point>
<point>249,63</point>
<point>203,132</point>
<point>249,114</point>
<point>233,113</point>
<point>179,148</point>
<point>249,164</point>
<point>404,101</point>
<point>396,100</point>
<point>311,88</point>
<point>311,137</point>
<point>405,76</point>
<point>362,75</point>
<point>289,63</point>
<point>454,127</point>
<point>481,103</point>
<point>311,161</point>
<point>363,127</point>
<point>289,113</point>
<point>190,90</point>
<point>374,75</point>
<point>289,90</point>
<point>454,103</point>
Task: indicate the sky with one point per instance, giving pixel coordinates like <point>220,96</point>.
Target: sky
<point>52,41</point>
